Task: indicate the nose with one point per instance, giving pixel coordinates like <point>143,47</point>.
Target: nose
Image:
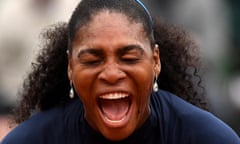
<point>112,73</point>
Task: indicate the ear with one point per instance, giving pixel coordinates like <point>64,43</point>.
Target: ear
<point>156,60</point>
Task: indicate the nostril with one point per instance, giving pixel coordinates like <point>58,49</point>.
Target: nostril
<point>112,75</point>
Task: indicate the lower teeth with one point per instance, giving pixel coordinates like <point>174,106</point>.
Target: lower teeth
<point>114,121</point>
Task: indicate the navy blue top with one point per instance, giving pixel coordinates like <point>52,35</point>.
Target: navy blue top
<point>172,121</point>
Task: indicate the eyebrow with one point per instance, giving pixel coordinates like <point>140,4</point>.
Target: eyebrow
<point>92,51</point>
<point>121,50</point>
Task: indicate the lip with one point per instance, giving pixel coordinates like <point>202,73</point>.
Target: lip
<point>112,96</point>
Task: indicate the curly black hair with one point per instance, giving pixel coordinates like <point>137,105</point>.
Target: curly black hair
<point>181,71</point>
<point>47,85</point>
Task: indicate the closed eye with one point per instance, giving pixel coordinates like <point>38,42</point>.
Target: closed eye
<point>90,57</point>
<point>130,58</point>
<point>131,54</point>
<point>91,62</point>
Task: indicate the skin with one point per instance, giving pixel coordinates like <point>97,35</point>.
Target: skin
<point>112,55</point>
<point>6,125</point>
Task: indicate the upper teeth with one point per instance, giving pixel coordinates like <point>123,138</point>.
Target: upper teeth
<point>112,96</point>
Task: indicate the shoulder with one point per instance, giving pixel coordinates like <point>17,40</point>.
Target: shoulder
<point>192,122</point>
<point>46,127</point>
<point>35,128</point>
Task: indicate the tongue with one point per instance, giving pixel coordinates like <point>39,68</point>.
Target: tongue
<point>115,109</point>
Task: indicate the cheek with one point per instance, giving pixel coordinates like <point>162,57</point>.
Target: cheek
<point>82,81</point>
<point>144,90</point>
<point>144,77</point>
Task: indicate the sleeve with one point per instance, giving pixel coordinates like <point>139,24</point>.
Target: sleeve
<point>208,129</point>
<point>189,124</point>
<point>22,134</point>
<point>42,128</point>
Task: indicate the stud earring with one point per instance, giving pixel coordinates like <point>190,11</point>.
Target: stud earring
<point>71,92</point>
<point>155,86</point>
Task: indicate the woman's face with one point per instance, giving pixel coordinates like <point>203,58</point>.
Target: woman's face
<point>112,68</point>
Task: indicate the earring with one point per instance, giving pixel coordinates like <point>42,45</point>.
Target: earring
<point>155,86</point>
<point>71,92</point>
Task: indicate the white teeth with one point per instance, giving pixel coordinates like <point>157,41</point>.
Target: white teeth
<point>112,96</point>
<point>114,121</point>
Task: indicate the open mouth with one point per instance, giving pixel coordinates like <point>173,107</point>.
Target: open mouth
<point>115,108</point>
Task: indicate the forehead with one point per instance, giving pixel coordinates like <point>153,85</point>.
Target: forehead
<point>110,23</point>
<point>116,17</point>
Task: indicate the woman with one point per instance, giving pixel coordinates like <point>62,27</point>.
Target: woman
<point>98,80</point>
